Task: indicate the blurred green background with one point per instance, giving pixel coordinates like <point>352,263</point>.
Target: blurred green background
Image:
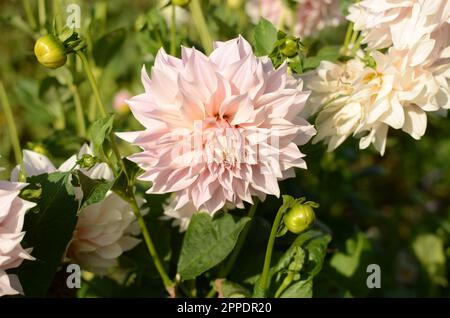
<point>391,210</point>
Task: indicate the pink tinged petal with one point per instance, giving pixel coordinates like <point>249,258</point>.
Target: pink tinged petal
<point>229,52</point>
<point>9,284</point>
<point>415,121</point>
<point>163,89</point>
<point>13,222</point>
<point>142,106</point>
<point>110,251</point>
<point>265,182</point>
<point>215,203</point>
<point>128,242</point>
<point>380,138</point>
<point>129,136</point>
<point>146,80</point>
<point>192,105</point>
<point>6,200</point>
<point>202,72</point>
<point>231,105</point>
<point>244,113</point>
<point>277,79</point>
<point>422,51</point>
<point>396,117</point>
<point>36,163</point>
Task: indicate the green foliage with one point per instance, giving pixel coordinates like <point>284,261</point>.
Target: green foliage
<point>107,46</point>
<point>347,263</point>
<point>265,37</point>
<point>296,269</point>
<point>93,190</point>
<point>49,228</point>
<point>100,130</point>
<point>207,242</point>
<point>429,250</point>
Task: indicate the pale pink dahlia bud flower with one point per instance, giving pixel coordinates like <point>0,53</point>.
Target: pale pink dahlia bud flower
<point>218,129</point>
<point>420,26</point>
<point>12,214</point>
<point>308,17</point>
<point>105,229</point>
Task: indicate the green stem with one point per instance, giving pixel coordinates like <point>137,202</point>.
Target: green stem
<point>57,14</point>
<point>173,32</point>
<point>29,14</point>
<point>81,125</point>
<point>236,251</point>
<point>150,246</point>
<point>93,83</point>
<point>101,107</point>
<point>13,135</point>
<point>356,45</point>
<point>200,24</point>
<point>263,284</point>
<point>42,15</point>
<point>348,35</point>
<point>353,38</point>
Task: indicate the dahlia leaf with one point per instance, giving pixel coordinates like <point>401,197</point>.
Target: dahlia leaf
<point>265,37</point>
<point>348,263</point>
<point>49,227</point>
<point>207,242</point>
<point>99,131</point>
<point>93,190</point>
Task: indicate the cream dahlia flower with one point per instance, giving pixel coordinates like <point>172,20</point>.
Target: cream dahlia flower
<point>181,217</point>
<point>353,99</point>
<point>12,214</point>
<point>218,129</point>
<point>310,16</point>
<point>420,26</point>
<point>105,229</point>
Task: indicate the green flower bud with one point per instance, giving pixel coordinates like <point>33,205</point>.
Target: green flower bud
<point>87,161</point>
<point>299,218</point>
<point>290,48</point>
<point>50,51</point>
<point>180,3</point>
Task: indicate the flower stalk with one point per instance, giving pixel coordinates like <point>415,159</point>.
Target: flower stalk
<point>200,24</point>
<point>13,135</point>
<point>81,125</point>
<point>168,284</point>
<point>173,31</point>
<point>262,285</point>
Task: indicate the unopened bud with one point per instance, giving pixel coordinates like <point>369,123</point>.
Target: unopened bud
<point>50,51</point>
<point>300,217</point>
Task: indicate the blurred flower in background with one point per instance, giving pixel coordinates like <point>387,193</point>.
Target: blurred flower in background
<point>119,102</point>
<point>303,17</point>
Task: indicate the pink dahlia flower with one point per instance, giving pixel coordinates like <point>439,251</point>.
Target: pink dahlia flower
<point>218,129</point>
<point>12,213</point>
<point>309,17</point>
